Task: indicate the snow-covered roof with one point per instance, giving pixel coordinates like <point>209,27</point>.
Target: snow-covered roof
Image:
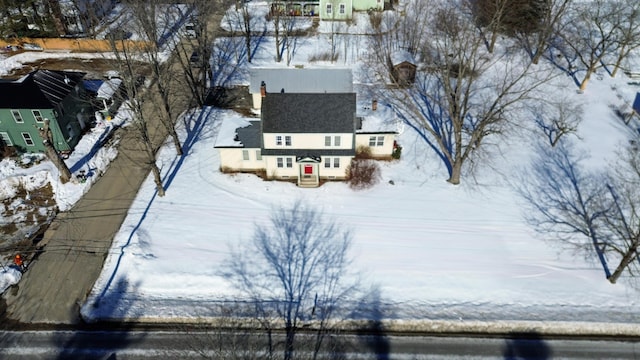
<point>302,80</point>
<point>399,56</point>
<point>381,120</point>
<point>108,88</point>
<point>229,129</point>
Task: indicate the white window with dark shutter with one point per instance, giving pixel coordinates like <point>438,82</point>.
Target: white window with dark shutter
<point>37,115</point>
<point>342,9</point>
<point>280,162</point>
<point>327,162</point>
<point>329,9</point>
<point>27,139</point>
<point>5,138</point>
<point>16,116</point>
<point>327,141</point>
<point>336,140</point>
<point>245,155</point>
<point>287,140</point>
<point>278,140</point>
<point>336,162</point>
<point>289,162</point>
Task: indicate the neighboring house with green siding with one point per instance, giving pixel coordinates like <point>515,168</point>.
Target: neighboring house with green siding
<point>343,9</point>
<point>44,94</point>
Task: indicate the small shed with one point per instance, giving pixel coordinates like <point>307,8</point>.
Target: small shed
<point>403,67</point>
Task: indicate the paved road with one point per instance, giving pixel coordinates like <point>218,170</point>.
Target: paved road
<point>221,344</point>
<point>77,242</point>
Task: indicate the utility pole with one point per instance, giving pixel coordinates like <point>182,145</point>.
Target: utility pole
<point>52,154</point>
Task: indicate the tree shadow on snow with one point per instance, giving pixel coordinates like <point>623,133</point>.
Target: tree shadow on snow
<point>556,53</point>
<point>102,340</point>
<point>193,126</point>
<point>526,346</point>
<point>373,334</point>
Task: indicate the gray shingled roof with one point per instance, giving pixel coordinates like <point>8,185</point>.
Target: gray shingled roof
<point>306,80</point>
<point>308,113</point>
<point>41,89</point>
<point>250,136</point>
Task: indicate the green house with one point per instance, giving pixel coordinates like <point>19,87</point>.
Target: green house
<point>44,94</point>
<point>343,9</point>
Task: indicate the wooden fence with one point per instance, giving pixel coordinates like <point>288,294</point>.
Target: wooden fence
<point>82,44</point>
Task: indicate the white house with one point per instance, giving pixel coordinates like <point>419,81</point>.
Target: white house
<point>304,137</point>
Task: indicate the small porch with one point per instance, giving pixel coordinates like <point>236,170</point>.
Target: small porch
<point>309,172</point>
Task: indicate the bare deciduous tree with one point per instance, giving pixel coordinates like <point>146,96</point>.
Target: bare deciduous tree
<point>130,65</point>
<point>552,14</point>
<point>565,200</point>
<point>52,153</point>
<point>592,31</point>
<point>629,39</point>
<point>245,19</point>
<point>284,33</point>
<point>216,56</point>
<point>490,15</point>
<point>623,222</point>
<point>557,118</point>
<point>294,269</point>
<point>146,17</point>
<point>466,95</point>
<point>587,211</point>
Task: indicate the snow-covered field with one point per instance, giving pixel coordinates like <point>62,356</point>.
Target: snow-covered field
<point>435,251</point>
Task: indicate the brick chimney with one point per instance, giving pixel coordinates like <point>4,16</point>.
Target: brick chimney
<point>263,89</point>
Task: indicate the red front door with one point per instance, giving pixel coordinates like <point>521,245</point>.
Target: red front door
<point>308,169</point>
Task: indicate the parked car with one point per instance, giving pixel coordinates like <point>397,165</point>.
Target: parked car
<point>32,47</point>
<point>194,59</point>
<point>192,30</point>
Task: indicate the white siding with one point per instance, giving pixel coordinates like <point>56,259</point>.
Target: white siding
<point>363,5</point>
<point>273,171</point>
<point>257,100</point>
<point>339,172</point>
<point>376,151</point>
<point>308,141</point>
<point>231,158</point>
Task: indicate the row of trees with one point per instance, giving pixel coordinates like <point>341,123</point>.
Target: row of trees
<point>295,273</point>
<point>481,79</point>
<point>51,18</point>
<point>159,104</point>
<point>468,92</point>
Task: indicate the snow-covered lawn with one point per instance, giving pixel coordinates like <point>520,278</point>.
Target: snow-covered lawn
<point>435,251</point>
